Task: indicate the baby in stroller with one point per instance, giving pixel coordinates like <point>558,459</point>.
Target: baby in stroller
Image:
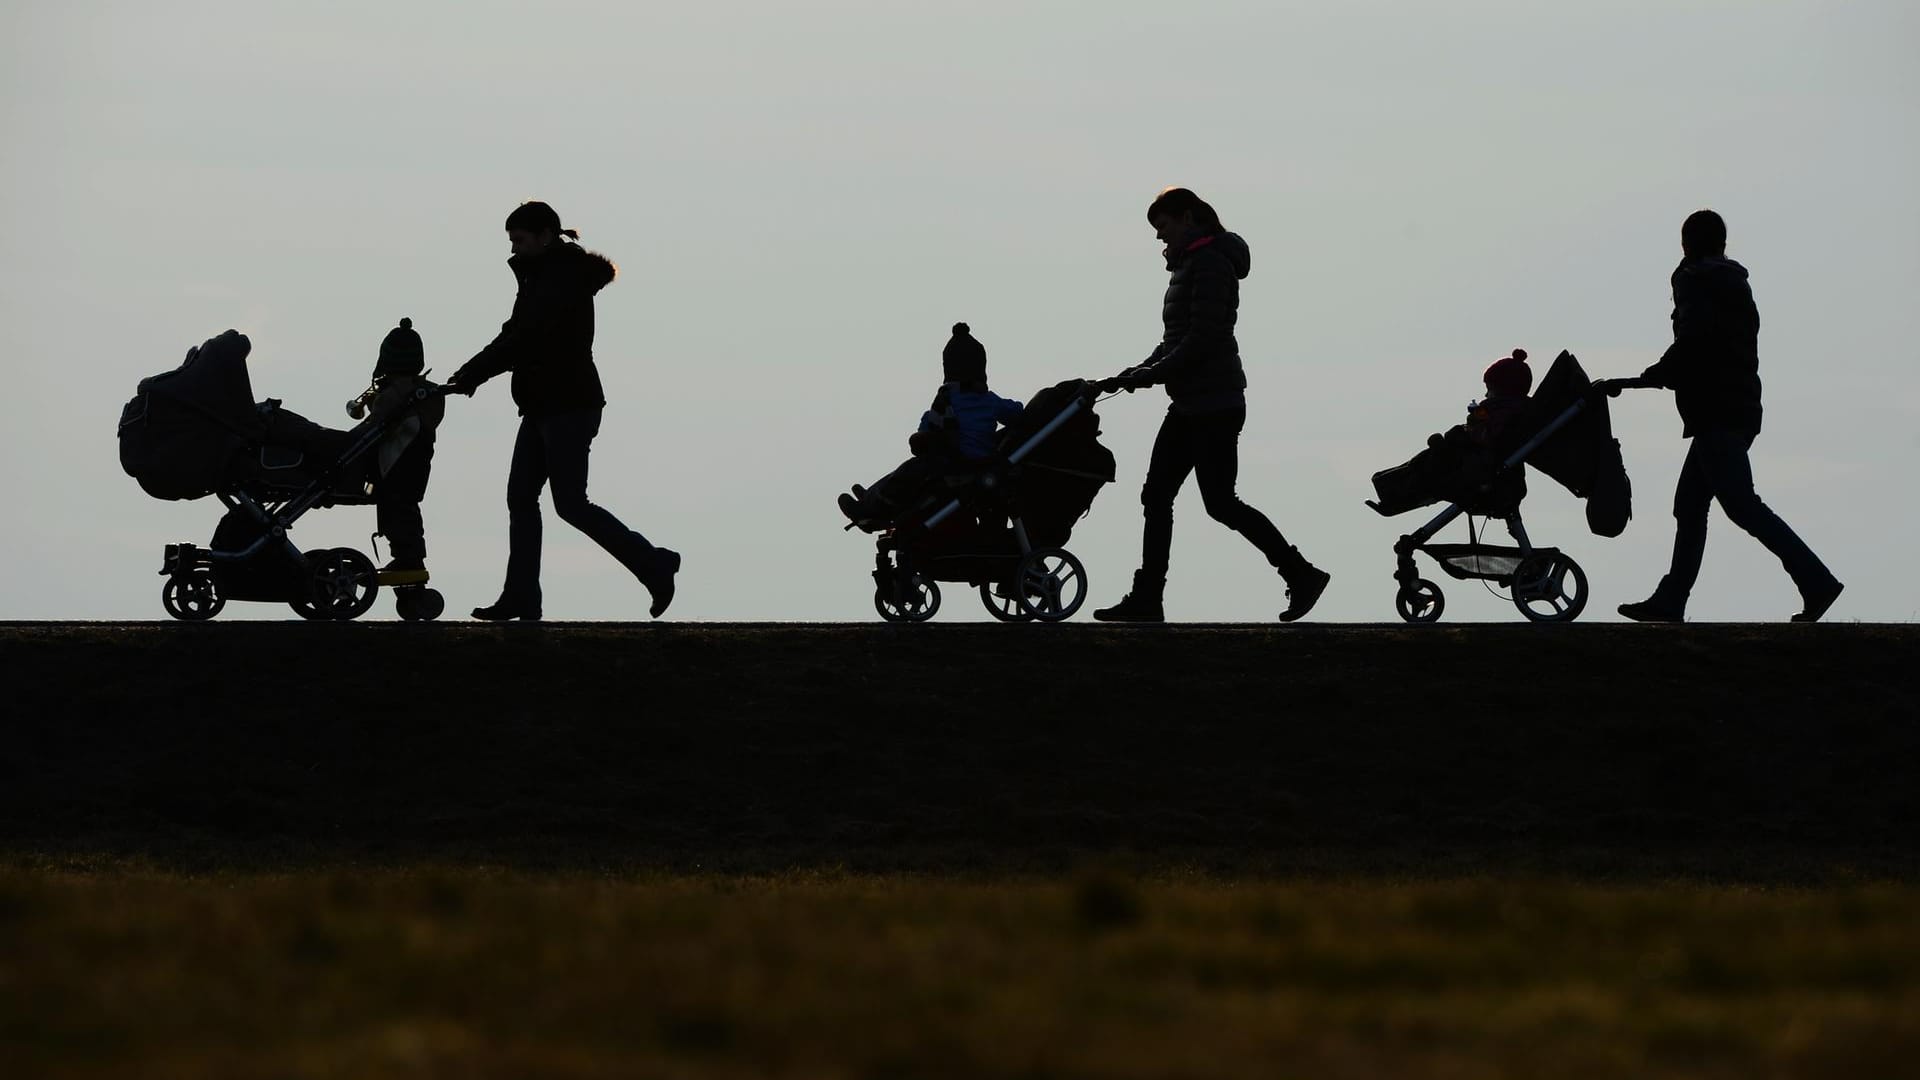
<point>957,430</point>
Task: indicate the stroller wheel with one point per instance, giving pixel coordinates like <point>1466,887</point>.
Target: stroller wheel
<point>1002,608</point>
<point>918,598</point>
<point>1052,583</point>
<point>1420,602</point>
<point>342,584</point>
<point>418,604</point>
<point>1550,588</point>
<point>192,596</point>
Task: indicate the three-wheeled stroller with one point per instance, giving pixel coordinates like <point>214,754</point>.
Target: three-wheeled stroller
<point>1000,525</point>
<point>1565,433</point>
<point>197,431</point>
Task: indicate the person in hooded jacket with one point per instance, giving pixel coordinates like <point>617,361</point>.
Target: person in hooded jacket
<point>1713,369</point>
<point>548,345</point>
<point>1198,361</point>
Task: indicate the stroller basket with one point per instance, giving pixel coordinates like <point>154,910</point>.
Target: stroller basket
<point>1477,561</point>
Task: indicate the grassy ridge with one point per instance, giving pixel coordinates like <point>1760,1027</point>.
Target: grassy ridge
<point>1762,753</point>
<point>471,972</point>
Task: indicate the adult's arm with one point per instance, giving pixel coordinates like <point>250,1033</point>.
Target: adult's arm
<point>1211,293</point>
<point>1695,325</point>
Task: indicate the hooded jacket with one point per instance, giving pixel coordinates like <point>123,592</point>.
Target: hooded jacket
<point>548,341</point>
<point>1198,358</point>
<point>1713,365</point>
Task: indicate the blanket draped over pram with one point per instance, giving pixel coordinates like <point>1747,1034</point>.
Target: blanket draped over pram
<point>1582,456</point>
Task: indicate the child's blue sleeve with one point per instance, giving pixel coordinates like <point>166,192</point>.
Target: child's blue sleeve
<point>1007,410</point>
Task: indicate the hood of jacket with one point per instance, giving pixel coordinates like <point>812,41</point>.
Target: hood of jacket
<point>591,269</point>
<point>1712,270</point>
<point>1232,245</point>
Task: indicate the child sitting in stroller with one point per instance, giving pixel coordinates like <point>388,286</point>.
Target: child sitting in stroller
<point>1458,464</point>
<point>401,463</point>
<point>958,429</point>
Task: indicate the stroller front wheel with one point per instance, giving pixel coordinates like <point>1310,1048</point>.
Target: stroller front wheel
<point>192,596</point>
<point>916,600</point>
<point>1002,608</point>
<point>1420,602</point>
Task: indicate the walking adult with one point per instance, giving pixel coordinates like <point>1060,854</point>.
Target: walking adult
<point>1198,361</point>
<point>1713,369</point>
<point>548,345</point>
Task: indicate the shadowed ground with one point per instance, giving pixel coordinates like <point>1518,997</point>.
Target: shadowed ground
<point>1725,752</point>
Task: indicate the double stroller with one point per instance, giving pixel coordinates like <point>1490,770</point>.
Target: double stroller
<point>1564,432</point>
<point>1001,524</point>
<point>197,431</point>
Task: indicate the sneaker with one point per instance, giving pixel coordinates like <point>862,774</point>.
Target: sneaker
<point>1653,609</point>
<point>505,612</point>
<point>399,572</point>
<point>1818,601</point>
<point>1303,591</point>
<point>660,582</point>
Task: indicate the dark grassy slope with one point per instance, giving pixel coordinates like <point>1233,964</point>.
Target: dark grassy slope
<point>1771,753</point>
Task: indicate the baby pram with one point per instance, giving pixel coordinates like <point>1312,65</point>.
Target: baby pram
<point>197,431</point>
<point>1001,524</point>
<point>1565,433</point>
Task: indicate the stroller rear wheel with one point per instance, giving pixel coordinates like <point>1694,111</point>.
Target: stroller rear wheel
<point>1420,602</point>
<point>1052,584</point>
<point>342,585</point>
<point>1550,588</point>
<point>1002,608</point>
<point>418,604</point>
<point>913,600</point>
<point>192,596</point>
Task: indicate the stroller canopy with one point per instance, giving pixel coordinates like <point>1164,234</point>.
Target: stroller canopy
<point>1058,479</point>
<point>1583,456</point>
<point>179,434</point>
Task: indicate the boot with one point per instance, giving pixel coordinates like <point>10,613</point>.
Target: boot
<point>1818,600</point>
<point>1140,605</point>
<point>403,571</point>
<point>659,581</point>
<point>1305,583</point>
<point>501,611</point>
<point>1655,608</point>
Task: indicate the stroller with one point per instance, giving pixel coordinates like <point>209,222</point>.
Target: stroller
<point>1001,524</point>
<point>196,431</point>
<point>1564,432</point>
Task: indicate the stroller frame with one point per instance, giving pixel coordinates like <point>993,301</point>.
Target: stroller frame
<point>1048,584</point>
<point>323,584</point>
<point>1539,578</point>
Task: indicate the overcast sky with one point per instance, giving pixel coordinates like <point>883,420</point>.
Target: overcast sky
<point>803,197</point>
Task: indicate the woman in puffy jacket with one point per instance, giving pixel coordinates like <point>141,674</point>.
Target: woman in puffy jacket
<point>548,345</point>
<point>1198,361</point>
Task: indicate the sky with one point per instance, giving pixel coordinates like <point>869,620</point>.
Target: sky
<point>803,198</point>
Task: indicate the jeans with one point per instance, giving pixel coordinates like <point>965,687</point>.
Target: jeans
<point>397,498</point>
<point>1717,468</point>
<point>1208,446</point>
<point>551,452</point>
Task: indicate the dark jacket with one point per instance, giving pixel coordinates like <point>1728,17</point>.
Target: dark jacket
<point>1713,365</point>
<point>1198,358</point>
<point>548,341</point>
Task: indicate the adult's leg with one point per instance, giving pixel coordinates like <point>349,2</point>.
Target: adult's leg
<point>1216,458</point>
<point>569,437</point>
<point>1167,468</point>
<point>525,477</point>
<point>1733,486</point>
<point>1692,498</point>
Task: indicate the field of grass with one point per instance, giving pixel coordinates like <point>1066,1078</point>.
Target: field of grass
<point>117,971</point>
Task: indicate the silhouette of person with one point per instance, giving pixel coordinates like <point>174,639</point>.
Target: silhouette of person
<point>1713,369</point>
<point>548,345</point>
<point>1198,361</point>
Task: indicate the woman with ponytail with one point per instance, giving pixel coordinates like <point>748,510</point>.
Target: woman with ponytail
<point>548,345</point>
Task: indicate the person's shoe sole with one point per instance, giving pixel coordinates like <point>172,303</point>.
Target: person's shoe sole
<point>1815,610</point>
<point>494,614</point>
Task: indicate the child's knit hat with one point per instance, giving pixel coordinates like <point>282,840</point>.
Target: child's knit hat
<point>1509,376</point>
<point>964,359</point>
<point>401,353</point>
